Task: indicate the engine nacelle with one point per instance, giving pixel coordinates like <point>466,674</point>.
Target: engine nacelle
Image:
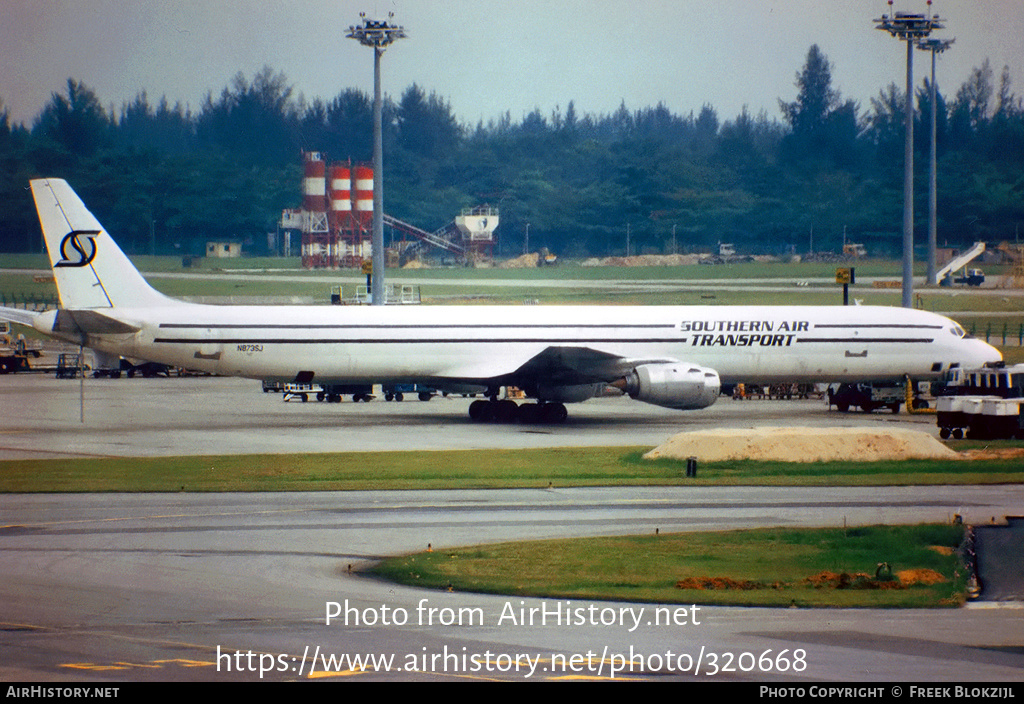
<point>681,386</point>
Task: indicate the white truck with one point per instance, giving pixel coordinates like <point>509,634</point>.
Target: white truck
<point>985,403</point>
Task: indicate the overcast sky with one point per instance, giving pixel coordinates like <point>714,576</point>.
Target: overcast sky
<point>489,56</point>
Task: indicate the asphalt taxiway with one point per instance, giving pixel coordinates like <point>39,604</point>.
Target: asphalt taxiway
<point>217,587</point>
<point>206,415</point>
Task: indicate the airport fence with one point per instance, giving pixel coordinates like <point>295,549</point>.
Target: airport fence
<point>28,301</point>
<point>1001,334</point>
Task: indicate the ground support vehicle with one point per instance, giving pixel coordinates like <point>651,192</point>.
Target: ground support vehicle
<point>867,396</point>
<point>68,365</point>
<point>331,393</point>
<point>14,355</point>
<point>980,417</point>
<point>397,392</point>
<point>16,361</point>
<point>983,403</point>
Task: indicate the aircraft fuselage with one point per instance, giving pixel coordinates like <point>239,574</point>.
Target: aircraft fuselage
<point>348,344</point>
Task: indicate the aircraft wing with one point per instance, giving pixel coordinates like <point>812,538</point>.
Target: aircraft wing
<point>579,365</point>
<point>556,366</point>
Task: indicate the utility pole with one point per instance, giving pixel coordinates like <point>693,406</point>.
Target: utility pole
<point>935,46</point>
<point>911,28</point>
<point>378,34</point>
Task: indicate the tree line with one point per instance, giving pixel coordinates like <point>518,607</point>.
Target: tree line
<point>164,178</point>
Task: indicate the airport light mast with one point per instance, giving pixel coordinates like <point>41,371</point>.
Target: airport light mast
<point>935,46</point>
<point>911,28</point>
<point>378,34</point>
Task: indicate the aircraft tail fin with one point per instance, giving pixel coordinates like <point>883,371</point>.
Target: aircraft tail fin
<point>91,271</point>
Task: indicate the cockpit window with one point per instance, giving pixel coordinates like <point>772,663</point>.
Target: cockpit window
<point>958,331</point>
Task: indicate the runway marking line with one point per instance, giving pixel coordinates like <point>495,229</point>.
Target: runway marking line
<point>149,518</point>
<point>339,673</point>
<point>61,453</point>
<point>4,625</point>
<point>120,665</point>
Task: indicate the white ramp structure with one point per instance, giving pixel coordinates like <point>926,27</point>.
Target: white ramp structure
<point>963,260</point>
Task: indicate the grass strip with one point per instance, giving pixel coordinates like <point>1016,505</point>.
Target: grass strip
<point>825,567</point>
<point>472,469</point>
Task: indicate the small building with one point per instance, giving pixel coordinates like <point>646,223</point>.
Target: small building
<point>223,250</point>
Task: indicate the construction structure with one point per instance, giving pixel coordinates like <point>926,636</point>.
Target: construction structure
<point>469,238</point>
<point>336,220</point>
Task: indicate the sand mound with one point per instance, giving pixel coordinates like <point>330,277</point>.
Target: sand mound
<point>527,261</point>
<point>803,445</point>
<point>647,260</point>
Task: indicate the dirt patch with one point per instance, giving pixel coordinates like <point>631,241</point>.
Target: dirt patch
<point>720,583</point>
<point>847,580</point>
<point>909,577</point>
<point>1005,453</point>
<point>822,580</point>
<point>803,445</point>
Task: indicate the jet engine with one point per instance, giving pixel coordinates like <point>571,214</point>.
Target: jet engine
<point>679,385</point>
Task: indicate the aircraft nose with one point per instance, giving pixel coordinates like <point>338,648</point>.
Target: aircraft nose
<point>985,353</point>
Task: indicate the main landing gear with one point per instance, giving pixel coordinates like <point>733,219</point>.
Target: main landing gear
<point>507,411</point>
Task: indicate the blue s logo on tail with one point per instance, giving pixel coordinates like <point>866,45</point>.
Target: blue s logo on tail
<point>85,253</point>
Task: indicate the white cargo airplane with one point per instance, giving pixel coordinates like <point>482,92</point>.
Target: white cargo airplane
<point>671,356</point>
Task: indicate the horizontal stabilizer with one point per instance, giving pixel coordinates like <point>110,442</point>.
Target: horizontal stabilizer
<point>18,315</point>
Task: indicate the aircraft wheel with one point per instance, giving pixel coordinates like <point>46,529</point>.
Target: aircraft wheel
<point>505,411</point>
<point>554,413</point>
<point>958,433</point>
<point>944,433</point>
<point>476,410</point>
<point>529,413</point>
<point>486,411</point>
